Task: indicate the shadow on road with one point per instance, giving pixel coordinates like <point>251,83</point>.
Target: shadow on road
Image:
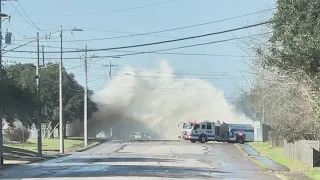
<point>115,159</point>
<point>16,154</point>
<point>92,171</point>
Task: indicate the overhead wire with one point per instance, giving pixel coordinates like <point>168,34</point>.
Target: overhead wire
<point>179,28</point>
<point>22,45</point>
<point>177,77</point>
<point>163,42</point>
<point>173,53</point>
<point>27,15</point>
<point>180,74</point>
<point>126,9</point>
<point>171,29</point>
<point>106,49</point>
<point>16,10</point>
<point>15,30</point>
<point>18,47</point>
<point>188,46</point>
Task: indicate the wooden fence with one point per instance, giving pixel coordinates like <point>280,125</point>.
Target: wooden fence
<point>305,151</point>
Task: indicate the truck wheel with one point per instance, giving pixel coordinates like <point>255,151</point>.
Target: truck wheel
<point>240,139</point>
<point>203,139</point>
<point>193,141</point>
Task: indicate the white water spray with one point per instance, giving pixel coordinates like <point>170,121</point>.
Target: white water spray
<point>156,102</point>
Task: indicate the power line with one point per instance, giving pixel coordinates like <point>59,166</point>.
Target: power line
<point>161,88</point>
<point>22,45</point>
<point>16,9</point>
<point>167,30</point>
<point>176,74</point>
<point>179,28</point>
<point>167,41</point>
<point>18,47</point>
<point>126,9</point>
<point>138,53</point>
<point>182,47</point>
<point>109,49</point>
<point>15,30</point>
<point>177,77</point>
<point>127,51</point>
<point>181,75</point>
<point>173,53</point>
<point>27,14</point>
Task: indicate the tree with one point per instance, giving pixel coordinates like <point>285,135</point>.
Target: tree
<point>284,104</point>
<point>17,102</point>
<point>23,75</point>
<point>286,91</point>
<point>295,40</point>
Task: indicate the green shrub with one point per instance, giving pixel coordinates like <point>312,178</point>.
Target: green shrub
<point>18,135</point>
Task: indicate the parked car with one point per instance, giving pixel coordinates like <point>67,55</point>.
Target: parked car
<point>140,136</point>
<point>136,136</point>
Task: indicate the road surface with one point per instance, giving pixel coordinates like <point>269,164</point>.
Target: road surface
<point>146,161</point>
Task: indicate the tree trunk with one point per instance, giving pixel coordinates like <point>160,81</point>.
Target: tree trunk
<point>65,130</point>
<point>52,126</point>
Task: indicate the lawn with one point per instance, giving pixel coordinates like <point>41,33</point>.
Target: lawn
<point>277,155</point>
<point>50,144</point>
<point>27,152</point>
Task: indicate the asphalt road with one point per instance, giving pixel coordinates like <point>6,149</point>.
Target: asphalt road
<point>147,160</point>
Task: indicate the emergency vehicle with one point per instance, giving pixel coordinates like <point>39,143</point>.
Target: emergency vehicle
<point>204,131</point>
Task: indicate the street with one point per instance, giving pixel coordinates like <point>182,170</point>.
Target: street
<point>147,160</point>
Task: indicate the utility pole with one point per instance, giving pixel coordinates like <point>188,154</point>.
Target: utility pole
<point>61,124</point>
<point>43,63</point>
<point>110,69</point>
<point>85,121</point>
<point>60,100</point>
<point>1,80</point>
<point>38,107</point>
<point>2,95</point>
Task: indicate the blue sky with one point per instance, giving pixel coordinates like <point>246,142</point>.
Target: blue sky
<point>102,19</point>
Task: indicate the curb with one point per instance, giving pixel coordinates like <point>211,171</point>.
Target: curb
<point>252,159</point>
<point>283,175</point>
<point>280,175</point>
<point>90,147</point>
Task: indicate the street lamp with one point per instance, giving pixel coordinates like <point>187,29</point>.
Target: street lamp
<point>60,91</point>
<point>76,29</point>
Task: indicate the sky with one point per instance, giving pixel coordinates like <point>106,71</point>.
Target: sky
<point>102,19</point>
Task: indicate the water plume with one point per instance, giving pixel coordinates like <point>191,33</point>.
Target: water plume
<point>155,101</point>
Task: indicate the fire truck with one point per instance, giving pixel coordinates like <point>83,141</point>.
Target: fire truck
<point>204,131</point>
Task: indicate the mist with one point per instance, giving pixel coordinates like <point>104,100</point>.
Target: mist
<point>156,100</point>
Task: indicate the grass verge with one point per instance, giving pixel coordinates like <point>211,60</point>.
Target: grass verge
<point>27,152</point>
<point>277,154</point>
<point>47,144</point>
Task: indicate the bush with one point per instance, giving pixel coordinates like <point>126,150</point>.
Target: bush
<point>18,135</point>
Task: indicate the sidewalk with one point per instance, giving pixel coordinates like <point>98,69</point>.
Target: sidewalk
<point>269,164</point>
